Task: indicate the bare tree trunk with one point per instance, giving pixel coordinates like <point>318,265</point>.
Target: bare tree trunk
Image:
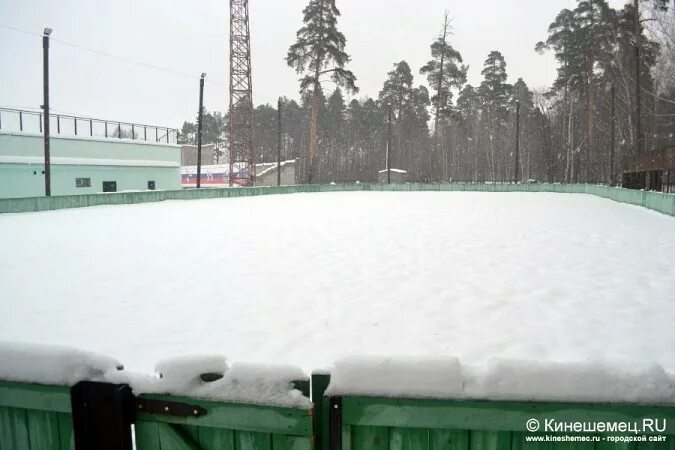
<point>639,138</point>
<point>313,138</point>
<point>569,171</point>
<point>439,87</point>
<point>589,130</point>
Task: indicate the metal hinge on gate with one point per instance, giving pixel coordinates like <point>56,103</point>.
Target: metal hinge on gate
<point>169,408</point>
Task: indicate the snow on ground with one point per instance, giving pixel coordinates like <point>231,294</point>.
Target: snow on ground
<point>306,279</point>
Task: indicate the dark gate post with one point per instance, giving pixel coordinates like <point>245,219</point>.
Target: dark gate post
<point>320,382</point>
<point>102,416</point>
<point>335,423</point>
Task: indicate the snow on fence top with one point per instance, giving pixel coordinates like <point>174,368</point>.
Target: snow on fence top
<point>208,377</point>
<point>48,364</point>
<point>502,379</point>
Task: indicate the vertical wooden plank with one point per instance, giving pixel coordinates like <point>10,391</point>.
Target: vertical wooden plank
<point>173,437</point>
<point>668,444</point>
<point>605,445</point>
<point>147,435</point>
<point>43,430</point>
<point>490,440</point>
<point>216,439</point>
<point>448,440</point>
<point>66,431</point>
<point>574,445</point>
<point>283,442</point>
<point>408,439</point>
<point>346,437</point>
<point>519,442</point>
<point>249,440</point>
<point>13,429</point>
<point>190,431</point>
<point>369,438</point>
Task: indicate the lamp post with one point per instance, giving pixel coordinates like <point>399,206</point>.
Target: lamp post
<point>45,108</point>
<point>279,142</point>
<point>199,131</point>
<point>389,144</point>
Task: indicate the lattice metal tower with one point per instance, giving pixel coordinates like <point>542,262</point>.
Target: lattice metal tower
<point>242,158</point>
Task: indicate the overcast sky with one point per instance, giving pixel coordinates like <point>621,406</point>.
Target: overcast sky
<point>191,36</point>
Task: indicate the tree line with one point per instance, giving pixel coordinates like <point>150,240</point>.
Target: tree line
<point>613,98</point>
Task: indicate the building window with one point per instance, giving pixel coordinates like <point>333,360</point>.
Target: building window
<point>82,182</point>
<point>110,186</point>
<point>151,185</point>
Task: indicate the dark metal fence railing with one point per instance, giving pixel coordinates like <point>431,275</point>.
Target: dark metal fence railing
<point>67,125</point>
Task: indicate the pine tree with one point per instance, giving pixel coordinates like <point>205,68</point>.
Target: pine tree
<point>563,40</point>
<point>495,94</point>
<point>522,95</point>
<point>638,44</point>
<point>333,130</point>
<point>265,133</point>
<point>397,88</point>
<point>187,133</point>
<point>396,94</point>
<point>444,72</point>
<point>420,142</point>
<point>593,19</point>
<point>468,116</point>
<point>319,50</point>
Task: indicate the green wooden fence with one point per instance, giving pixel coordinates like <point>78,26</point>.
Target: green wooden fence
<point>664,203</point>
<point>413,424</point>
<point>36,417</point>
<point>226,426</point>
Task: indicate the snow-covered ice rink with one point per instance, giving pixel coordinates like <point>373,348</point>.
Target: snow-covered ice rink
<point>308,278</point>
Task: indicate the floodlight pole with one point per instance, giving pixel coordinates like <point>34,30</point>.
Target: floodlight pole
<point>45,107</point>
<point>279,142</point>
<point>199,131</point>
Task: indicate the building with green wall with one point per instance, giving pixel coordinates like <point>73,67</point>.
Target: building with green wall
<point>85,165</point>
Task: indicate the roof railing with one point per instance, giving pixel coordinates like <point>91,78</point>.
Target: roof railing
<point>68,125</point>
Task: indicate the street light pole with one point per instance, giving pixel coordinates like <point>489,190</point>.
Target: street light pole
<point>279,142</point>
<point>45,107</point>
<point>199,131</point>
<point>389,146</point>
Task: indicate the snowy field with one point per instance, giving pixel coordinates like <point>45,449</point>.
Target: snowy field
<point>306,279</point>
